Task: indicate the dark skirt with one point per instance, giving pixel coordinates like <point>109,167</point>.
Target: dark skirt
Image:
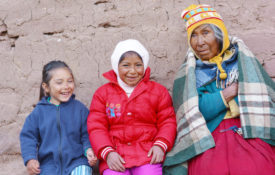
<point>234,155</point>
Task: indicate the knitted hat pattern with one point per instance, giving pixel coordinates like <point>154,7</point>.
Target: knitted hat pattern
<point>196,15</point>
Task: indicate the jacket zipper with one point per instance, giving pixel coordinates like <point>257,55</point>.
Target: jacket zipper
<point>60,141</point>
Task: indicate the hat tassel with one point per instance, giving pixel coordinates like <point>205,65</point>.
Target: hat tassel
<point>218,61</point>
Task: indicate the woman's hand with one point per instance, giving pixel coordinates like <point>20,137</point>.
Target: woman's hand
<point>230,92</point>
<point>33,167</point>
<point>157,154</point>
<point>92,159</point>
<point>115,162</point>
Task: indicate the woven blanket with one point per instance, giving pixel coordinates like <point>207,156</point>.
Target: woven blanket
<point>256,94</point>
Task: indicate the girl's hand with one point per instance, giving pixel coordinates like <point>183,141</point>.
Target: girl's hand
<point>33,167</point>
<point>157,154</point>
<point>230,92</point>
<point>115,162</point>
<point>92,159</point>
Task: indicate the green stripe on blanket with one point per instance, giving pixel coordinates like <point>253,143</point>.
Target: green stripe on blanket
<point>256,96</point>
<point>193,136</point>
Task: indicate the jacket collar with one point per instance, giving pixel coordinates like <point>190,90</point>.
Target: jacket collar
<point>44,101</point>
<point>142,85</point>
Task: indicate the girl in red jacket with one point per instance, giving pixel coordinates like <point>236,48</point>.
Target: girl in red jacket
<point>132,122</point>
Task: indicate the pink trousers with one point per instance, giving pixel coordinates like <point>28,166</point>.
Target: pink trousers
<point>148,169</point>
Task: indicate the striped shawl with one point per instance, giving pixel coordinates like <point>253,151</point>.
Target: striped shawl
<point>256,94</point>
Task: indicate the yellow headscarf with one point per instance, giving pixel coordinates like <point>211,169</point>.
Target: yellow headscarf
<point>196,15</point>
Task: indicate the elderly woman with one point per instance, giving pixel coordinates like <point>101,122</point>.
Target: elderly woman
<point>225,104</point>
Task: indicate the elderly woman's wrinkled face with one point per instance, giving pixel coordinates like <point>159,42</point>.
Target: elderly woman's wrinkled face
<point>204,42</point>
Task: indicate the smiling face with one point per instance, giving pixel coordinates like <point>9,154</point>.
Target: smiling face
<point>204,42</point>
<point>131,69</point>
<point>61,85</point>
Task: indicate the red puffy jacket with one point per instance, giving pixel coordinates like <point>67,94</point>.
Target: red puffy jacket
<point>130,125</point>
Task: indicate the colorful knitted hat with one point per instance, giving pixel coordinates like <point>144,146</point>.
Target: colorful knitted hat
<point>196,15</point>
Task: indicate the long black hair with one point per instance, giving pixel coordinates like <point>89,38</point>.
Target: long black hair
<point>47,75</point>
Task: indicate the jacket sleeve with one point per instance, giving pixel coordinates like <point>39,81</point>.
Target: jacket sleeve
<point>84,133</point>
<point>98,125</point>
<point>166,120</point>
<point>29,138</point>
<point>210,104</point>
